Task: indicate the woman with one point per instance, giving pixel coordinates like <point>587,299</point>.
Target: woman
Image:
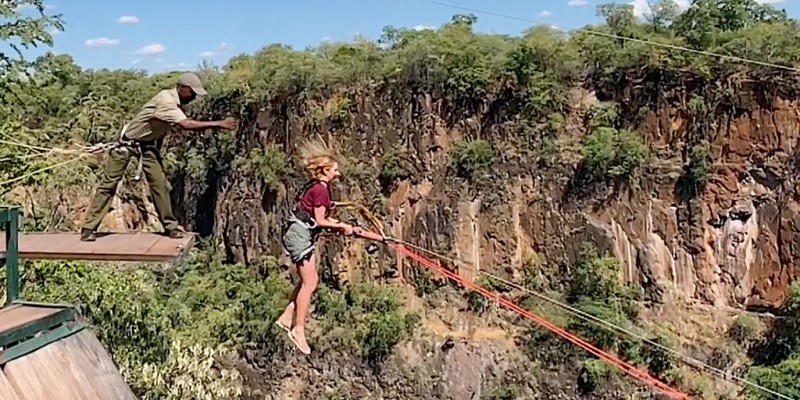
<point>309,216</point>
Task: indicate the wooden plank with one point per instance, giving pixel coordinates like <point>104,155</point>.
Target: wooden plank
<point>106,378</point>
<point>7,391</point>
<point>18,317</point>
<point>133,246</point>
<point>74,368</point>
<point>42,375</point>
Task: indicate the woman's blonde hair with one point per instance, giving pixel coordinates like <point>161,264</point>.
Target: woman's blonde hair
<point>315,157</point>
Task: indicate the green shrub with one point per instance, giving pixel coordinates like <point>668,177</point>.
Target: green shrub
<point>473,160</point>
<point>615,155</point>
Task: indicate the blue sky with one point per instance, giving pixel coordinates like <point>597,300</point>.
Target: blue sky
<point>160,35</point>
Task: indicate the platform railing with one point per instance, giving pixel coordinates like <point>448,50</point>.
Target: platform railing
<point>9,221</point>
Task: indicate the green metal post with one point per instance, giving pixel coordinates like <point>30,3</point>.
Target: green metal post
<point>12,255</point>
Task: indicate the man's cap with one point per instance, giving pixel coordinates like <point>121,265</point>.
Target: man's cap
<point>193,81</point>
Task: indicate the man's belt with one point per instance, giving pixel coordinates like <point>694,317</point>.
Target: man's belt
<point>133,146</point>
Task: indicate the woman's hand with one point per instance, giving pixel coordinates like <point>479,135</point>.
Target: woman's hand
<point>347,229</point>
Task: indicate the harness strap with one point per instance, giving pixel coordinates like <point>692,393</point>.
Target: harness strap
<point>294,218</point>
<point>133,146</point>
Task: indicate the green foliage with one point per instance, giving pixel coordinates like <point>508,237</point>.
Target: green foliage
<point>21,32</point>
<point>595,276</point>
<point>424,281</point>
<point>20,164</point>
<point>145,318</point>
<point>611,154</point>
<point>602,336</point>
<point>532,74</point>
<point>615,155</point>
<point>125,308</point>
<point>479,303</point>
<point>189,373</point>
<point>744,329</point>
<point>394,167</point>
<point>780,374</point>
<point>269,164</point>
<point>781,378</point>
<point>595,288</point>
<point>473,160</point>
<point>603,115</point>
<point>594,373</point>
<point>368,317</point>
<point>505,392</point>
<point>661,362</point>
<point>700,165</point>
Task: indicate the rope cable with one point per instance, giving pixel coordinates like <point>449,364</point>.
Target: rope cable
<point>623,365</point>
<point>40,170</point>
<point>599,321</point>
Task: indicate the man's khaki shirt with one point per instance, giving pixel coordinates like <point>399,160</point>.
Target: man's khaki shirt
<point>157,117</point>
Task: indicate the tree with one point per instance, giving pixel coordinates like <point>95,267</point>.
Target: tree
<point>22,33</point>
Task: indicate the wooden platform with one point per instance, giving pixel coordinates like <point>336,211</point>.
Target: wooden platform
<point>136,246</point>
<point>20,317</point>
<point>76,367</point>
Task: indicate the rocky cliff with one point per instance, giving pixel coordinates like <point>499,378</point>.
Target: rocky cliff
<point>708,222</point>
<point>733,242</point>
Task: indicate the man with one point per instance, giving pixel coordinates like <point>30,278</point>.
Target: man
<point>142,137</point>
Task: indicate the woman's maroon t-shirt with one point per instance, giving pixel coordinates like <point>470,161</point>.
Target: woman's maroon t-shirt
<point>316,196</point>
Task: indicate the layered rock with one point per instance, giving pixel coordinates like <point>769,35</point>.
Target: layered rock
<point>733,244</point>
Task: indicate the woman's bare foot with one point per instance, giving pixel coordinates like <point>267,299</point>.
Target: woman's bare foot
<point>285,320</point>
<point>285,323</point>
<point>299,338</point>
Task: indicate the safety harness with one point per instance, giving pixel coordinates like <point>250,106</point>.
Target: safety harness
<point>130,146</point>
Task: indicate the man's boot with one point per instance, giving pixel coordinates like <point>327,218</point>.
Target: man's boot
<point>174,233</point>
<point>88,235</point>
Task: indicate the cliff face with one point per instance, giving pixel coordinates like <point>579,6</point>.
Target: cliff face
<point>733,243</point>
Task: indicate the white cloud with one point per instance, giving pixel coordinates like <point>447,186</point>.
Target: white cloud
<point>155,48</point>
<point>545,13</point>
<point>128,19</point>
<point>577,3</point>
<point>327,39</point>
<point>641,8</point>
<point>102,42</point>
<point>28,6</point>
<point>424,28</point>
<point>221,49</point>
<point>769,1</point>
<point>136,61</point>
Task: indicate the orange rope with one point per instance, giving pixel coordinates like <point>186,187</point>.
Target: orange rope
<point>610,358</point>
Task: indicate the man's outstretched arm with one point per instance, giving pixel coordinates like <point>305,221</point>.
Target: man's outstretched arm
<point>194,125</point>
<point>169,112</point>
